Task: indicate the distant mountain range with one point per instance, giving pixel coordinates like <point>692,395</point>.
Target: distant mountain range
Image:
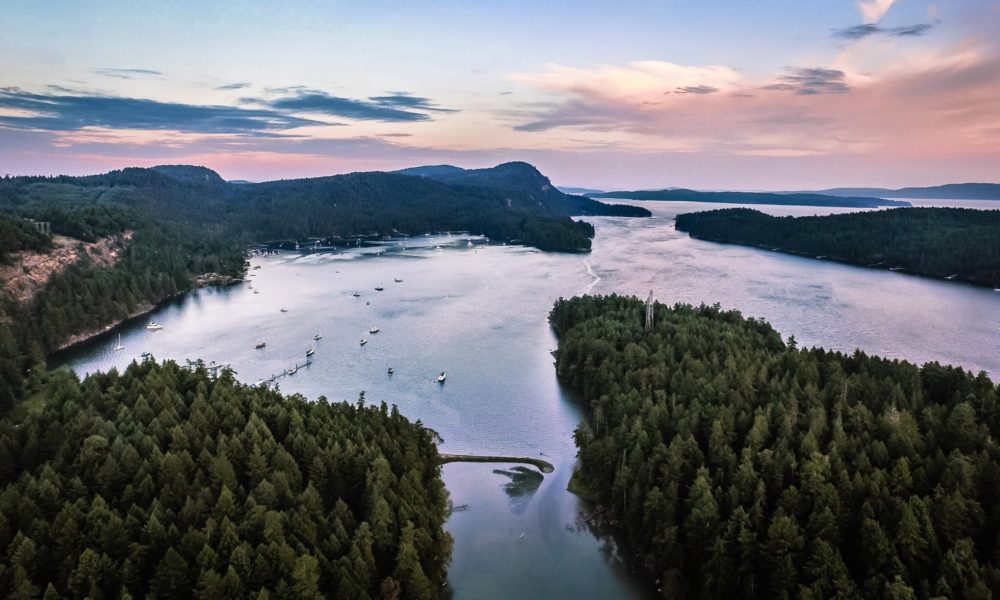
<point>580,191</point>
<point>950,191</point>
<point>796,199</point>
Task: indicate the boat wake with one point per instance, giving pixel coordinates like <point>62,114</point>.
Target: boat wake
<point>597,278</point>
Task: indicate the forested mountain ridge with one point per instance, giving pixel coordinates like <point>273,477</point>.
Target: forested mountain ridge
<point>745,467</point>
<point>795,199</point>
<point>955,243</point>
<point>524,187</point>
<point>164,482</point>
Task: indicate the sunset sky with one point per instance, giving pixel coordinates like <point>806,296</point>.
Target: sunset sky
<point>710,94</point>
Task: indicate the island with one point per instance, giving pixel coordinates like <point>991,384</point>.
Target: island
<point>957,244</point>
<point>739,465</point>
<point>777,198</point>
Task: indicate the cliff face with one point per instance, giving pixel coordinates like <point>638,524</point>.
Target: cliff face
<point>30,271</point>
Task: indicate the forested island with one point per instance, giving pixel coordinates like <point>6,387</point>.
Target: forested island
<point>165,482</point>
<point>778,198</point>
<point>954,243</point>
<point>742,466</point>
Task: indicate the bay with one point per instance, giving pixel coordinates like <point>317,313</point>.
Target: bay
<point>479,313</point>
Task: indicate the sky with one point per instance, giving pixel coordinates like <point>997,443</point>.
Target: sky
<point>706,94</point>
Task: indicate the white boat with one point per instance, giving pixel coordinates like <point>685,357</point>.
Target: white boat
<point>310,352</point>
<point>256,291</point>
<point>398,280</point>
<point>373,330</point>
<point>470,244</point>
<point>292,371</point>
<point>284,310</point>
<point>317,337</point>
<point>153,326</point>
<point>364,341</point>
<point>441,377</point>
<point>119,346</point>
<point>356,295</point>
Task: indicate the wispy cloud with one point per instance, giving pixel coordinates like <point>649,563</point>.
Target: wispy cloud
<point>233,86</point>
<point>125,73</point>
<point>811,81</point>
<point>696,89</point>
<point>858,32</point>
<point>393,107</point>
<point>68,112</point>
<point>872,11</point>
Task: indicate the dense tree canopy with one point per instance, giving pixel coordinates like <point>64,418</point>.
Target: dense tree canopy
<point>162,482</point>
<point>958,243</point>
<point>744,467</point>
<point>17,235</point>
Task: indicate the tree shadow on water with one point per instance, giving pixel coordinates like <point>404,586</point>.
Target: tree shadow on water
<point>524,482</point>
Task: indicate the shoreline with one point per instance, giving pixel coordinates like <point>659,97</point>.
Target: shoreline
<point>143,310</point>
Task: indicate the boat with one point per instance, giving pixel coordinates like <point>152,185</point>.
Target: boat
<point>373,330</point>
<point>951,277</point>
<point>260,345</point>
<point>470,244</point>
<point>310,352</point>
<point>256,291</point>
<point>256,266</point>
<point>153,326</point>
<point>292,371</point>
<point>356,295</point>
<point>390,371</point>
<point>398,280</point>
<point>284,310</point>
<point>379,289</point>
<point>364,341</point>
<point>441,377</point>
<point>119,346</point>
<point>317,337</point>
<point>145,355</point>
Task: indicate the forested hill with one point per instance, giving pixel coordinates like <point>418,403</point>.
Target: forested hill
<point>796,199</point>
<point>956,243</point>
<point>161,482</point>
<point>744,467</point>
<point>526,188</point>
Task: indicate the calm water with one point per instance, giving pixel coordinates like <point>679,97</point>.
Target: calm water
<point>480,313</point>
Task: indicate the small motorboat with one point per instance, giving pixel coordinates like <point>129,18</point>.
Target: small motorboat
<point>145,355</point>
<point>260,345</point>
<point>154,326</point>
<point>364,341</point>
<point>317,337</point>
<point>441,377</point>
<point>398,280</point>
<point>256,291</point>
<point>292,371</point>
<point>390,372</point>
<point>379,289</point>
<point>356,295</point>
<point>373,330</point>
<point>284,310</point>
<point>310,352</point>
